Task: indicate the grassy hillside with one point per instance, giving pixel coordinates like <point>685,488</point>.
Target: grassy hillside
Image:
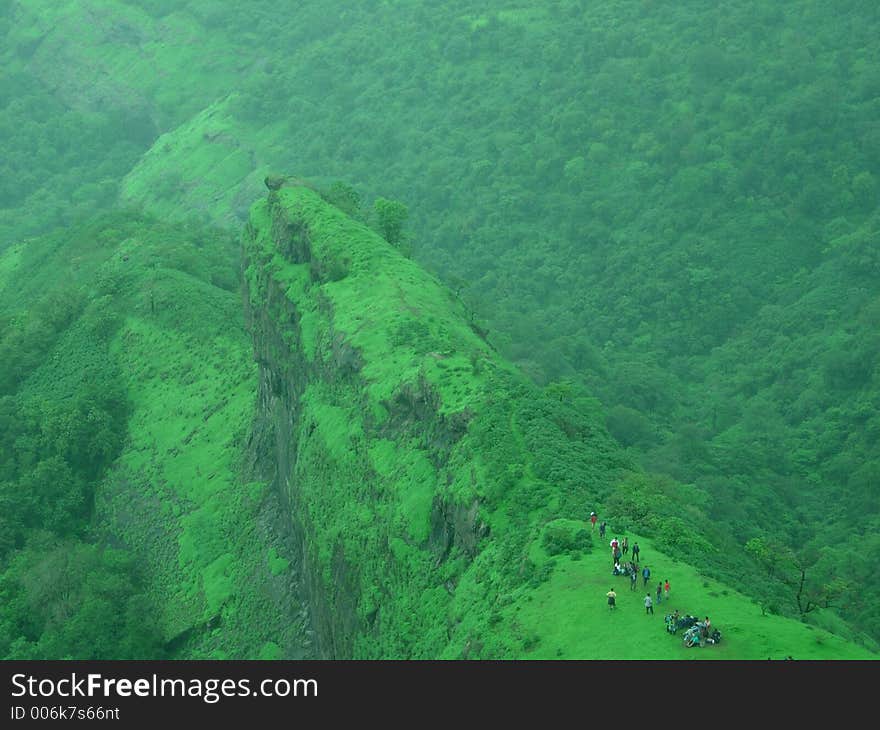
<point>85,88</point>
<point>569,618</point>
<point>151,318</point>
<point>675,200</point>
<point>438,494</point>
<point>671,205</point>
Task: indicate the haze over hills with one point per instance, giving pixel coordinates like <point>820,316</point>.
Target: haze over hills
<point>664,214</point>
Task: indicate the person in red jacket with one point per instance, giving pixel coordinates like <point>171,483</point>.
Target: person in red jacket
<point>593,519</point>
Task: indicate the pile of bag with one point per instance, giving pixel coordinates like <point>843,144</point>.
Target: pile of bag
<point>693,635</point>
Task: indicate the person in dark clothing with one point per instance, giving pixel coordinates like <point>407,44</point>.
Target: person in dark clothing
<point>646,574</point>
<point>602,529</point>
<point>625,546</point>
<point>659,598</point>
<point>633,579</point>
<point>636,552</point>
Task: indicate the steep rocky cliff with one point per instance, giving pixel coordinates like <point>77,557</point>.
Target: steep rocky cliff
<point>421,471</point>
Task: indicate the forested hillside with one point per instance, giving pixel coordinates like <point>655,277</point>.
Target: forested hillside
<point>127,386</point>
<point>671,205</point>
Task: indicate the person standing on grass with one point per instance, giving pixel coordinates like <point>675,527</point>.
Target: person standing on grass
<point>636,552</point>
<point>633,579</point>
<point>649,604</point>
<point>666,589</point>
<point>602,530</point>
<point>612,599</point>
<point>646,574</point>
<point>659,593</point>
<point>625,546</point>
<point>593,519</point>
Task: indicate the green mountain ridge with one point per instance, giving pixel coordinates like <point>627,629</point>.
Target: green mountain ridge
<point>438,496</point>
<point>664,214</point>
<point>380,463</point>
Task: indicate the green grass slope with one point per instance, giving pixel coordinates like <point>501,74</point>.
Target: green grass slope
<point>158,307</point>
<point>570,619</point>
<point>105,55</point>
<point>202,169</point>
<point>674,198</point>
<point>437,492</point>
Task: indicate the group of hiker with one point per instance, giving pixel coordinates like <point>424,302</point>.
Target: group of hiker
<point>698,632</point>
<point>630,568</point>
<point>619,549</point>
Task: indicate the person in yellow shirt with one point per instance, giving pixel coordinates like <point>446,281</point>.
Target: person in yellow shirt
<point>612,599</point>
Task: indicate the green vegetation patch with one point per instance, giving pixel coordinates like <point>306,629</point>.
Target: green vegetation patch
<point>131,385</point>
